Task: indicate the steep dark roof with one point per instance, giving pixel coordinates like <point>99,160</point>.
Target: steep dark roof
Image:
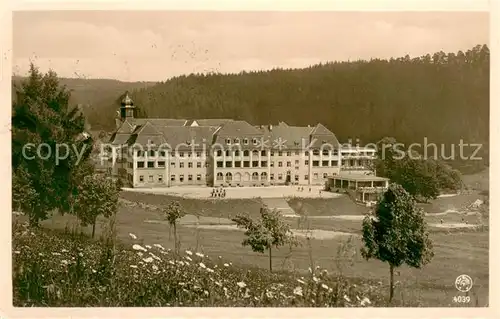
<point>211,122</point>
<point>187,138</point>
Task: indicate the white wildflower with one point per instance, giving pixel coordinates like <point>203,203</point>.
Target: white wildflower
<point>220,257</point>
<point>246,295</point>
<point>365,301</point>
<point>347,298</point>
<point>148,260</point>
<point>154,256</point>
<point>155,268</point>
<point>56,254</point>
<point>310,270</point>
<point>64,262</point>
<point>315,279</point>
<point>171,262</point>
<point>218,283</point>
<point>210,270</point>
<point>17,252</point>
<point>226,265</point>
<point>301,281</point>
<point>132,235</point>
<point>80,254</point>
<point>140,254</point>
<point>159,246</point>
<point>148,247</point>
<point>189,258</point>
<point>139,247</point>
<point>241,284</point>
<point>202,265</point>
<point>324,286</point>
<point>205,292</point>
<point>64,251</point>
<point>133,266</point>
<point>298,291</point>
<point>200,255</point>
<point>189,252</point>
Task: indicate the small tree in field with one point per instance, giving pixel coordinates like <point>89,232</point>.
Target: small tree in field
<point>270,230</point>
<point>174,212</point>
<point>397,233</point>
<point>97,195</point>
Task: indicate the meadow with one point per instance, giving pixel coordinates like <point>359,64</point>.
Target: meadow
<point>457,251</point>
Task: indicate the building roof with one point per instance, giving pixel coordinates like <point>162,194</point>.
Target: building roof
<point>359,177</point>
<point>289,137</point>
<point>209,122</point>
<point>188,138</point>
<point>160,122</point>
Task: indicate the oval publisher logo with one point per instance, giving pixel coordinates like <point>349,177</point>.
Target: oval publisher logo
<point>463,283</point>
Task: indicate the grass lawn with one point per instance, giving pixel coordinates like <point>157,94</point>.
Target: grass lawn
<point>456,252</point>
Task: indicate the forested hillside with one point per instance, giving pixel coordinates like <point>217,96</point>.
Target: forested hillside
<point>441,96</point>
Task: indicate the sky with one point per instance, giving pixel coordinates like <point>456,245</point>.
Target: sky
<point>157,45</point>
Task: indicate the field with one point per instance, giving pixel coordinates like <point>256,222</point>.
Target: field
<point>208,229</point>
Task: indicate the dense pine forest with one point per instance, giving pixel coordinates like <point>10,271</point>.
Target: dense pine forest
<point>442,96</point>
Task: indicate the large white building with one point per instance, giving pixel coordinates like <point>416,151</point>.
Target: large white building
<point>148,152</point>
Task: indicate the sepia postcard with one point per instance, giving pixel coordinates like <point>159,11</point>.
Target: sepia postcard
<point>168,160</point>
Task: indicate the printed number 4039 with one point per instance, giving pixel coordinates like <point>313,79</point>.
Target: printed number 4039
<point>461,299</point>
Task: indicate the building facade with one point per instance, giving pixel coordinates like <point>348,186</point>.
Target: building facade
<point>225,152</point>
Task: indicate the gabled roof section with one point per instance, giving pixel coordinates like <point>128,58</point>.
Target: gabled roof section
<point>238,129</point>
<point>126,127</point>
<point>148,129</point>
<point>212,122</point>
<point>289,137</point>
<point>188,137</point>
<point>320,129</point>
<point>160,122</point>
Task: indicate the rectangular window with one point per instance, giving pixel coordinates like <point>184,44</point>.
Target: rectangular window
<point>229,164</point>
<point>280,177</point>
<point>161,163</point>
<point>325,152</point>
<point>160,178</point>
<point>334,163</point>
<point>255,163</point>
<point>280,164</point>
<point>325,175</point>
<point>245,141</point>
<point>150,178</point>
<point>152,153</point>
<point>198,165</point>
<point>315,163</point>
<point>190,165</point>
<point>306,162</point>
<point>151,164</point>
<point>190,177</point>
<point>246,164</point>
<point>220,164</point>
<point>325,163</point>
<point>236,153</point>
<point>207,164</point>
<point>139,153</point>
<point>140,164</point>
<point>198,154</point>
<point>237,164</point>
<point>272,164</point>
<point>296,162</point>
<point>296,178</point>
<point>263,153</point>
<point>172,178</point>
<point>263,164</point>
<point>315,175</point>
<point>288,164</point>
<point>219,153</point>
<point>271,176</point>
<point>289,153</point>
<point>236,141</point>
<point>296,152</point>
<point>172,164</point>
<point>141,178</point>
<point>181,165</point>
<point>181,178</point>
<point>280,153</point>
<point>181,154</point>
<point>227,153</point>
<point>198,177</point>
<point>307,153</point>
<point>306,177</point>
<point>228,141</point>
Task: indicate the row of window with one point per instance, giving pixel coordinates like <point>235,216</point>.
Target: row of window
<point>229,164</point>
<point>173,178</point>
<point>161,164</point>
<point>263,176</point>
<point>272,153</point>
<point>153,153</point>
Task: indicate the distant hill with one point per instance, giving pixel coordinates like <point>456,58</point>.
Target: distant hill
<point>441,97</point>
<point>97,96</point>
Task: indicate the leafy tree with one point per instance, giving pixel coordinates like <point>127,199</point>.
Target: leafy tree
<point>97,196</point>
<point>267,232</point>
<point>396,233</point>
<point>422,177</point>
<point>41,114</point>
<point>173,212</point>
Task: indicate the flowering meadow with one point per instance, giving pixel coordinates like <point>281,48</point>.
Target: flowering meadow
<point>62,268</point>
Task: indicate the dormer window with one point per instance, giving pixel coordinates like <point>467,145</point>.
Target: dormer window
<point>254,141</point>
<point>236,141</point>
<point>188,142</point>
<point>228,141</point>
<point>245,141</point>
